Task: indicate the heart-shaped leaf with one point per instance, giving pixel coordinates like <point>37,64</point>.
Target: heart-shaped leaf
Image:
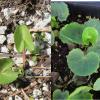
<point>72,33</point>
<point>7,75</point>
<point>60,10</point>
<point>82,65</point>
<point>60,95</point>
<point>94,23</point>
<point>89,35</point>
<point>23,39</point>
<point>81,93</point>
<point>96,85</point>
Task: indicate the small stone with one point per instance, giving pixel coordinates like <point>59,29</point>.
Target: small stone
<point>23,13</point>
<point>17,97</point>
<point>2,29</point>
<point>46,72</point>
<point>2,39</point>
<point>10,98</point>
<point>32,63</point>
<point>18,60</point>
<point>4,91</point>
<point>45,87</point>
<point>29,22</point>
<point>36,93</point>
<point>4,49</point>
<point>10,38</point>
<point>21,22</point>
<point>13,88</point>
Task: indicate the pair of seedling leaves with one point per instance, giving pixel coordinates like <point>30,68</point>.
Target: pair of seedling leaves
<point>23,40</point>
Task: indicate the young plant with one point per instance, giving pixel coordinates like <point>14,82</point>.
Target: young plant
<point>60,10</point>
<point>7,74</point>
<point>82,65</point>
<point>23,40</point>
<point>89,35</point>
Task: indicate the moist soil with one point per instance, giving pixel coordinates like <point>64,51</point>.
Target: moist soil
<point>61,74</point>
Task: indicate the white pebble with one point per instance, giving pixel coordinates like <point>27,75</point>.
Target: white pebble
<point>8,12</point>
<point>2,29</point>
<point>45,89</point>
<point>17,97</point>
<point>41,99</point>
<point>36,93</point>
<point>13,88</point>
<point>46,72</point>
<point>10,98</point>
<point>29,22</point>
<point>32,63</point>
<point>10,38</point>
<point>4,49</point>
<point>4,91</point>
<point>21,22</point>
<point>2,39</point>
<point>23,13</point>
<point>18,60</point>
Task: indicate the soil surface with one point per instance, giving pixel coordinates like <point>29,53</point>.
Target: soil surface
<point>35,84</point>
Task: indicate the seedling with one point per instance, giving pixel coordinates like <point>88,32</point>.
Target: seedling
<point>60,10</point>
<point>96,85</point>
<point>89,35</point>
<point>23,40</point>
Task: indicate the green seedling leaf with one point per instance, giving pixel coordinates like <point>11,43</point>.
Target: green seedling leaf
<point>94,23</point>
<point>7,75</point>
<point>83,65</point>
<point>60,10</point>
<point>96,85</point>
<point>89,35</point>
<point>72,33</point>
<point>54,23</point>
<point>95,48</point>
<point>60,95</point>
<point>23,39</point>
<point>81,93</point>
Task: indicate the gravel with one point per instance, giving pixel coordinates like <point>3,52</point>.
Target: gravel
<point>2,39</point>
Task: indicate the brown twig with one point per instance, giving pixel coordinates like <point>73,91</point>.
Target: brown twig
<point>45,29</point>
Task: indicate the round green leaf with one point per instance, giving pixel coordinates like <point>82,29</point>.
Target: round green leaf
<point>89,35</point>
<point>94,23</point>
<point>23,39</point>
<point>60,10</point>
<point>60,95</point>
<point>82,65</point>
<point>96,85</point>
<point>72,33</point>
<point>81,93</point>
<point>6,73</point>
